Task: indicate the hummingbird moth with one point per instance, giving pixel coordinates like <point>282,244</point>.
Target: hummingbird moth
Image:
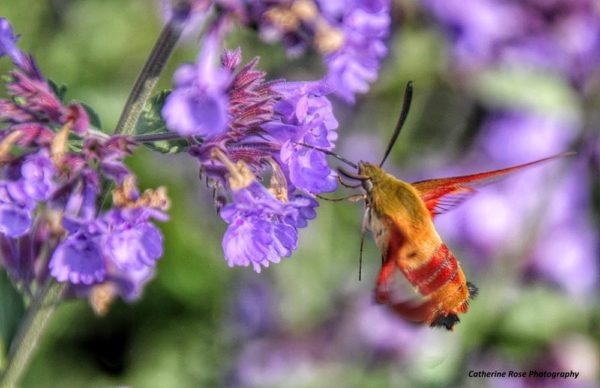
<point>400,216</point>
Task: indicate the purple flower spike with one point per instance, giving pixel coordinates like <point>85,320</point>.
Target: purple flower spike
<point>78,260</point>
<point>365,26</point>
<point>198,104</point>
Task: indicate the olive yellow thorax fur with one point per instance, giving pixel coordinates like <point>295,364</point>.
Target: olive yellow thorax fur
<point>396,207</point>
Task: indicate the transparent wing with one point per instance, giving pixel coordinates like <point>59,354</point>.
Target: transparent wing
<point>442,195</point>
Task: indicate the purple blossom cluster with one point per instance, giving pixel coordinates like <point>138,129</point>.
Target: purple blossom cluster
<point>53,167</point>
<point>245,130</point>
<point>562,39</point>
<point>263,129</point>
<point>348,35</point>
<point>561,36</point>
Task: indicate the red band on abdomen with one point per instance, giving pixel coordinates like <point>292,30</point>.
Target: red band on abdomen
<point>440,269</point>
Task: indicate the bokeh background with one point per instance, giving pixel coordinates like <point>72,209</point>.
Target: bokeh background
<point>496,83</point>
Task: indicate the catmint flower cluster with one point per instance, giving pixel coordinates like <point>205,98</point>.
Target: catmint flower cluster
<point>54,217</point>
<point>260,143</point>
<point>348,35</point>
<point>264,129</point>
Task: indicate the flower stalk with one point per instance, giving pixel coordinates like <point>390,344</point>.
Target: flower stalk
<point>148,77</point>
<point>31,330</point>
<point>152,137</point>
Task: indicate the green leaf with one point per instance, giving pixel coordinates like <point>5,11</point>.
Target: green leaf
<point>59,90</point>
<point>94,117</point>
<point>151,122</point>
<point>11,312</point>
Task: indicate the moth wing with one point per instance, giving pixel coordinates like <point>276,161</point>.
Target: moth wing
<point>442,195</point>
<point>392,285</point>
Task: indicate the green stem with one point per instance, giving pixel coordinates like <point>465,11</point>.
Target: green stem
<point>152,137</point>
<point>148,77</point>
<point>30,332</point>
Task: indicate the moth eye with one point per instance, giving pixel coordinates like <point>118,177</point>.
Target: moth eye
<point>367,185</point>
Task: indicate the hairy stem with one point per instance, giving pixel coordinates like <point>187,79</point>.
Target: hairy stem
<point>30,332</point>
<point>152,137</point>
<point>148,77</point>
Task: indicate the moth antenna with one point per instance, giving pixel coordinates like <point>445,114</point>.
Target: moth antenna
<point>338,157</point>
<point>408,92</point>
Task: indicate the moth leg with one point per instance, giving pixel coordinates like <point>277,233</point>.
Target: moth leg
<point>363,231</point>
<point>346,184</point>
<point>382,288</point>
<point>351,198</point>
<point>360,253</point>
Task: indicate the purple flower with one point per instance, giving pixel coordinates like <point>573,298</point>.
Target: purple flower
<point>129,247</point>
<point>120,241</point>
<point>198,103</point>
<point>15,215</point>
<point>79,259</point>
<point>130,284</point>
<point>133,242</point>
<point>31,180</point>
<point>364,25</point>
<point>262,229</point>
<point>38,175</point>
<point>305,117</point>
<point>8,44</point>
<point>250,105</point>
